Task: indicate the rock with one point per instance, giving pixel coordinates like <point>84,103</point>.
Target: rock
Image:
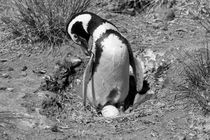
<point>78,81</point>
<point>124,30</point>
<point>24,68</point>
<point>3,60</point>
<point>3,88</point>
<point>109,16</point>
<point>42,71</point>
<point>10,69</point>
<point>160,105</point>
<point>70,61</point>
<point>10,89</point>
<point>5,75</point>
<point>23,73</point>
<point>154,133</point>
<point>63,74</point>
<point>169,15</point>
<point>150,54</point>
<point>160,79</point>
<point>39,71</point>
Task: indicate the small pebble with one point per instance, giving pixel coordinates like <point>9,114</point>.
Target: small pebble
<point>24,68</point>
<point>23,73</point>
<point>3,60</point>
<point>3,88</point>
<point>5,75</point>
<point>10,89</point>
<point>78,81</point>
<point>160,105</point>
<point>42,71</point>
<point>10,69</point>
<point>39,71</point>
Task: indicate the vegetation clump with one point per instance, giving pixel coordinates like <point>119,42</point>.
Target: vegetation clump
<point>193,79</point>
<point>31,21</point>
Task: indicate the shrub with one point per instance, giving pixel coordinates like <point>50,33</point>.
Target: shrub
<point>193,79</point>
<point>34,21</point>
<point>197,10</point>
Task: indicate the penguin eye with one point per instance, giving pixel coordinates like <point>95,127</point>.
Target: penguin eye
<point>75,37</point>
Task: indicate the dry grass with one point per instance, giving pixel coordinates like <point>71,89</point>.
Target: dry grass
<point>193,79</point>
<point>200,12</point>
<point>32,21</point>
<point>193,82</point>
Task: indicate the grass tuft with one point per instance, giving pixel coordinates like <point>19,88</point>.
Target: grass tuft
<point>193,79</point>
<point>32,21</point>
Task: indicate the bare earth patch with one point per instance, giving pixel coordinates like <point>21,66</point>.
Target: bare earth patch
<point>26,112</point>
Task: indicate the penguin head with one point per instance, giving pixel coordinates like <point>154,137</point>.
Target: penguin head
<point>81,27</point>
<point>77,29</point>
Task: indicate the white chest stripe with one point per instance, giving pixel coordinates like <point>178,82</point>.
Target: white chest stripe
<point>85,19</point>
<point>112,42</point>
<point>102,29</point>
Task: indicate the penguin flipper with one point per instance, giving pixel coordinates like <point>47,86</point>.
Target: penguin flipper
<point>137,69</point>
<point>139,74</point>
<point>86,78</point>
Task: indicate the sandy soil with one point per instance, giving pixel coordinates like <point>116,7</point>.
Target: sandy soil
<point>27,113</point>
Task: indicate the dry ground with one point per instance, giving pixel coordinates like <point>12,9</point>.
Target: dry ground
<point>27,113</point>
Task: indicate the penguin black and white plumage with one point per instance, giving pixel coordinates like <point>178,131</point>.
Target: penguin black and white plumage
<point>106,77</point>
<point>82,26</point>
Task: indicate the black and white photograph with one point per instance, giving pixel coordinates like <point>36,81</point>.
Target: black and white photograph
<point>104,69</point>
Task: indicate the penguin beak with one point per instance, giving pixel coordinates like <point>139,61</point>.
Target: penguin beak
<point>85,50</point>
<point>84,46</point>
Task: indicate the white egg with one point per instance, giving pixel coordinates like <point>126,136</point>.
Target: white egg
<point>110,111</point>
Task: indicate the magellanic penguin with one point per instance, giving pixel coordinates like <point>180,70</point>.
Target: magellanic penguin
<point>106,77</point>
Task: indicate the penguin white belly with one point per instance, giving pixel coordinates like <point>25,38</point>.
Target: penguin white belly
<point>110,80</point>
